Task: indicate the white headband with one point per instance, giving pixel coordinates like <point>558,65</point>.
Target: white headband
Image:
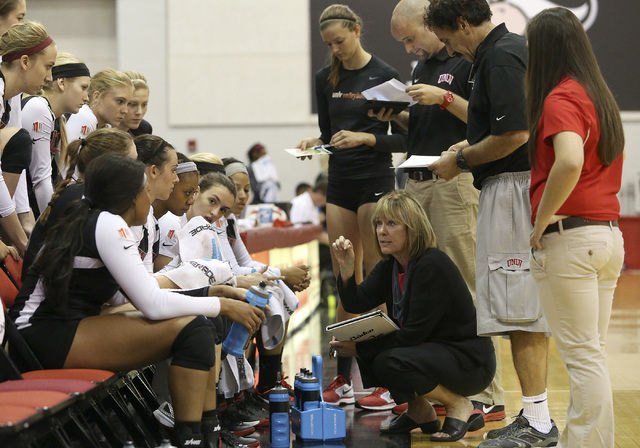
<point>186,167</point>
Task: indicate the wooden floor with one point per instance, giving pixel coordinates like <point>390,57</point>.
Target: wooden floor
<point>624,365</point>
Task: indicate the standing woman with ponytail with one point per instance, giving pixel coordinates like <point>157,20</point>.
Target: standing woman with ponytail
<point>79,153</point>
<point>28,54</point>
<point>42,117</point>
<point>576,151</point>
<point>359,173</point>
<point>109,93</point>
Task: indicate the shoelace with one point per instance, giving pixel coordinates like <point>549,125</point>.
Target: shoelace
<point>339,381</point>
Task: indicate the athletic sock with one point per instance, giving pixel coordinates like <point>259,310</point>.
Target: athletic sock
<point>269,366</point>
<point>344,367</point>
<point>188,433</point>
<point>536,411</point>
<point>211,428</point>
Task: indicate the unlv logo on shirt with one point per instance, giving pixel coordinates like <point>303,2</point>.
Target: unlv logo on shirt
<point>37,126</point>
<point>84,130</point>
<point>445,77</point>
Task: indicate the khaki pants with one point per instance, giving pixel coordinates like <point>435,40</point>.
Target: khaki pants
<point>452,208</point>
<point>576,273</point>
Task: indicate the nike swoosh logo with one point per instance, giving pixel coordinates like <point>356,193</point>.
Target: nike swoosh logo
<point>127,247</point>
<point>167,245</point>
<point>500,118</point>
<point>378,194</point>
<point>371,78</point>
<point>486,409</point>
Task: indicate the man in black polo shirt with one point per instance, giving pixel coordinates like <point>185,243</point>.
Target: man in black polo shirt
<point>495,151</point>
<point>440,85</point>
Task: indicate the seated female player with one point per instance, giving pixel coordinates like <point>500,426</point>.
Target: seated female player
<point>436,353</point>
<point>85,260</point>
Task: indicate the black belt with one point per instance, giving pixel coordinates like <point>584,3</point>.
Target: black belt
<point>577,221</point>
<point>420,176</point>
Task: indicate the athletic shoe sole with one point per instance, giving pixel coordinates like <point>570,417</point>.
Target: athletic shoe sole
<point>385,407</point>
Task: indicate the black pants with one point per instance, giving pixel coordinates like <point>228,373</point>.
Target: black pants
<point>417,370</point>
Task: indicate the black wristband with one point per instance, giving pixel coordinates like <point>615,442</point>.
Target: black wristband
<point>462,164</point>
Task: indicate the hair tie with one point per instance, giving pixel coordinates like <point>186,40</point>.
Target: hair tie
<point>27,51</point>
<point>88,199</point>
<point>235,168</point>
<point>82,143</point>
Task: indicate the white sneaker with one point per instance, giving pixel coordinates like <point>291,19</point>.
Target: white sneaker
<point>164,414</point>
<point>339,392</point>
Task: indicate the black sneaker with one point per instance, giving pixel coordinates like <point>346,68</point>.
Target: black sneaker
<point>228,440</point>
<point>491,412</point>
<point>246,411</point>
<point>520,434</point>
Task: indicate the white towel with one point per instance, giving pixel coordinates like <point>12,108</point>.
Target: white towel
<point>202,272</point>
<point>236,375</point>
<point>198,239</point>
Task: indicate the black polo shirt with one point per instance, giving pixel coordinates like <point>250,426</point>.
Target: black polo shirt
<point>496,104</point>
<point>431,129</point>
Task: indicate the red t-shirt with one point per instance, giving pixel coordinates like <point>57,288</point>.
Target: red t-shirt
<point>569,108</point>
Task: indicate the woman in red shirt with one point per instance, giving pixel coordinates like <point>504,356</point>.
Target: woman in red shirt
<point>576,153</point>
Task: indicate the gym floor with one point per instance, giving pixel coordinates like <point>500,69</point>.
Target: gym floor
<point>624,364</point>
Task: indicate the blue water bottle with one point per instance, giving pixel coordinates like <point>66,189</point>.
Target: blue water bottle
<point>279,415</point>
<point>309,392</point>
<point>239,337</point>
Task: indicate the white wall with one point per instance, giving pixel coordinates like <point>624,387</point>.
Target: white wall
<point>132,34</point>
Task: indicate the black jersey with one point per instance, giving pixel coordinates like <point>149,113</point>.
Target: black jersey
<point>342,108</point>
<point>107,261</point>
<point>144,128</point>
<point>496,105</point>
<point>431,129</point>
<point>36,240</point>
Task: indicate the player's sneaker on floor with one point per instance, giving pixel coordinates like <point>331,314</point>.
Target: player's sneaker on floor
<point>520,434</point>
<point>233,440</point>
<point>378,400</point>
<point>339,392</point>
<point>399,409</point>
<point>491,412</point>
<point>164,414</point>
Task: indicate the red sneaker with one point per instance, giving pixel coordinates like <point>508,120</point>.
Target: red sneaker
<point>339,392</point>
<point>491,412</point>
<point>378,400</point>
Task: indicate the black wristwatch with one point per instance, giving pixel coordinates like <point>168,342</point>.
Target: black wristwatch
<point>462,164</point>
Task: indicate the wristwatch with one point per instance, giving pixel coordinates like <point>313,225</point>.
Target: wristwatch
<point>448,99</point>
<point>462,164</point>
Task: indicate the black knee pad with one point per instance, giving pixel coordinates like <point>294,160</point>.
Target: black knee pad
<point>16,155</point>
<point>194,347</point>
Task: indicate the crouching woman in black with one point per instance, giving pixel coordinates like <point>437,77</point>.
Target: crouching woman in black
<point>88,256</point>
<point>436,353</point>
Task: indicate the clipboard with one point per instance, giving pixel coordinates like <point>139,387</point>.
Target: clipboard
<point>376,105</point>
<point>363,328</point>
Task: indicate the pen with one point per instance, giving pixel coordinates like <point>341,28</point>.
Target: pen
<point>321,147</point>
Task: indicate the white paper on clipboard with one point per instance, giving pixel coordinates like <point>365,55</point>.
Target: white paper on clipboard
<point>418,162</point>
